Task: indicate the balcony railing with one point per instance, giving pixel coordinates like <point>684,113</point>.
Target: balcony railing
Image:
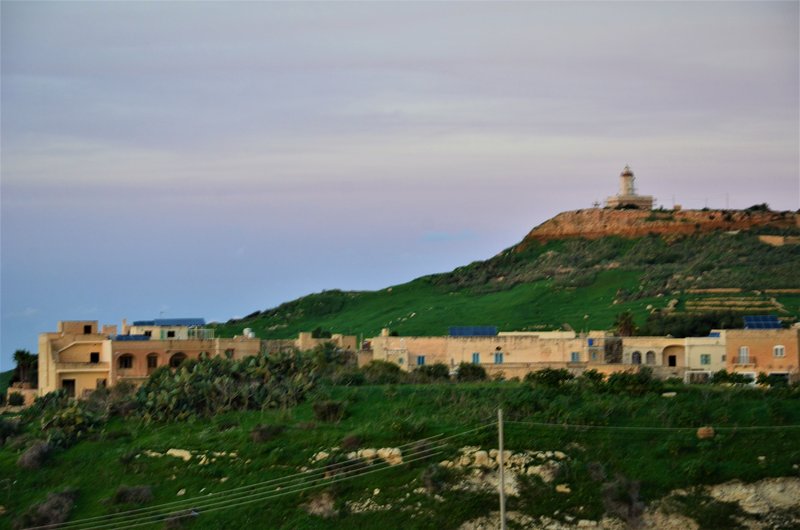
<point>742,360</point>
<point>75,367</point>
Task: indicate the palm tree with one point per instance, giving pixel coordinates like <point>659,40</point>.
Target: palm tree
<point>624,324</point>
<point>25,363</point>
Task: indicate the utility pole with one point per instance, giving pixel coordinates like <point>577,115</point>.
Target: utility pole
<point>501,461</point>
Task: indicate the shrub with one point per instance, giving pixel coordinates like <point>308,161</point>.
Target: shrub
<point>53,511</point>
<point>348,378</point>
<point>435,478</point>
<point>723,377</point>
<point>15,399</point>
<point>592,377</point>
<point>470,372</point>
<point>71,423</point>
<point>265,433</point>
<point>330,411</point>
<point>634,383</point>
<point>383,373</point>
<point>133,495</point>
<point>35,455</point>
<point>8,428</point>
<point>351,442</point>
<point>549,377</point>
<point>432,372</point>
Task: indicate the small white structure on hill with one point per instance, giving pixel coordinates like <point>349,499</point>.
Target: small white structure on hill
<point>627,198</point>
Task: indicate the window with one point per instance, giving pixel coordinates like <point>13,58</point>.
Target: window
<point>171,334</point>
<point>779,351</point>
<point>400,360</point>
<point>744,354</point>
<point>420,360</point>
<point>705,358</point>
<point>229,353</point>
<point>101,383</point>
<point>152,360</point>
<point>723,357</point>
<point>498,357</point>
<point>591,342</point>
<point>177,359</point>
<point>476,358</point>
<point>594,355</point>
<point>87,329</point>
<point>650,357</point>
<point>148,333</point>
<point>94,357</point>
<point>575,357</point>
<point>636,357</point>
<point>125,362</point>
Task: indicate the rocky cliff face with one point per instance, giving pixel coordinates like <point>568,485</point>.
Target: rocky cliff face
<point>600,222</point>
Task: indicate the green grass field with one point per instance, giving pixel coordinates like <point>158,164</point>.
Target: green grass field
<point>649,439</point>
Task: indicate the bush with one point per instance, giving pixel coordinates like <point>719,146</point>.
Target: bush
<point>383,373</point>
<point>53,511</point>
<point>15,399</point>
<point>725,377</point>
<point>8,428</point>
<point>549,377</point>
<point>35,455</point>
<point>133,495</point>
<point>265,433</point>
<point>432,372</point>
<point>470,372</point>
<point>351,442</point>
<point>634,383</point>
<point>330,411</point>
<point>435,478</point>
<point>592,377</point>
<point>350,377</point>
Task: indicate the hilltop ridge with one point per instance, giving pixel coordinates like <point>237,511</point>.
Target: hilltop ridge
<point>595,223</point>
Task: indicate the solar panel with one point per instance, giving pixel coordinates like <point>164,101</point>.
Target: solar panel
<point>473,331</point>
<point>762,322</point>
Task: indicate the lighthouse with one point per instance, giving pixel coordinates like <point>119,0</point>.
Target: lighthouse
<point>627,197</point>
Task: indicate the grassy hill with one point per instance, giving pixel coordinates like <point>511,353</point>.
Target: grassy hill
<point>582,283</point>
<point>637,450</point>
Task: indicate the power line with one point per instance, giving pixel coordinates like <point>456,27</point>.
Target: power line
<point>256,490</point>
<point>646,428</point>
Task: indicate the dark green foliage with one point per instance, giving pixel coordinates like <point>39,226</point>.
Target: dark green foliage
<point>763,207</point>
<point>265,433</point>
<point>436,478</point>
<point>624,324</point>
<point>723,377</point>
<point>549,377</point>
<point>214,385</point>
<point>689,325</point>
<point>348,377</point>
<point>382,373</point>
<point>470,372</point>
<point>431,373</point>
<point>351,442</point>
<point>634,383</point>
<point>319,333</point>
<point>35,455</point>
<point>709,513</point>
<point>330,411</point>
<point>8,428</point>
<point>16,399</point>
<point>133,495</point>
<point>772,380</point>
<point>621,498</point>
<point>53,511</point>
<point>27,370</point>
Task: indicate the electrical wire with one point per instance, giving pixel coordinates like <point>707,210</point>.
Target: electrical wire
<point>215,499</point>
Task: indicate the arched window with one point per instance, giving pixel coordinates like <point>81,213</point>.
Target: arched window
<point>636,357</point>
<point>125,361</point>
<point>177,359</point>
<point>650,357</point>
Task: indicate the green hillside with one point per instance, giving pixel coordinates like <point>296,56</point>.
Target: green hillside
<point>644,443</point>
<point>582,283</point>
<point>5,380</point>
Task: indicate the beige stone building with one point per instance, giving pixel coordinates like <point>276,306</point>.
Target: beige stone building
<point>80,358</point>
<point>705,356</point>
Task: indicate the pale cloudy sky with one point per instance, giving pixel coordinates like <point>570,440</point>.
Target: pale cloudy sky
<point>214,158</point>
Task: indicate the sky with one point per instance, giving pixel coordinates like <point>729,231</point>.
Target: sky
<point>211,159</point>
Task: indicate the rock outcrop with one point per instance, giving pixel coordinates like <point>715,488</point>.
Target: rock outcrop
<point>596,223</point>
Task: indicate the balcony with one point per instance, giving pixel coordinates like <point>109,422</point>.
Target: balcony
<point>742,360</point>
<point>82,367</point>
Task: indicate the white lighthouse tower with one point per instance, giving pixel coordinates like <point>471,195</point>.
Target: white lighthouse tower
<point>627,198</point>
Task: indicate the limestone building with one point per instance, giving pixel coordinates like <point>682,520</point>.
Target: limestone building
<point>627,197</point>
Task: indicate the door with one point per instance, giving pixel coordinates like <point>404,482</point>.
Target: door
<point>672,360</point>
<point>69,386</point>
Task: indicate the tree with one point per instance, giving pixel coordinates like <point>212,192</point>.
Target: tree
<point>624,324</point>
<point>26,366</point>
